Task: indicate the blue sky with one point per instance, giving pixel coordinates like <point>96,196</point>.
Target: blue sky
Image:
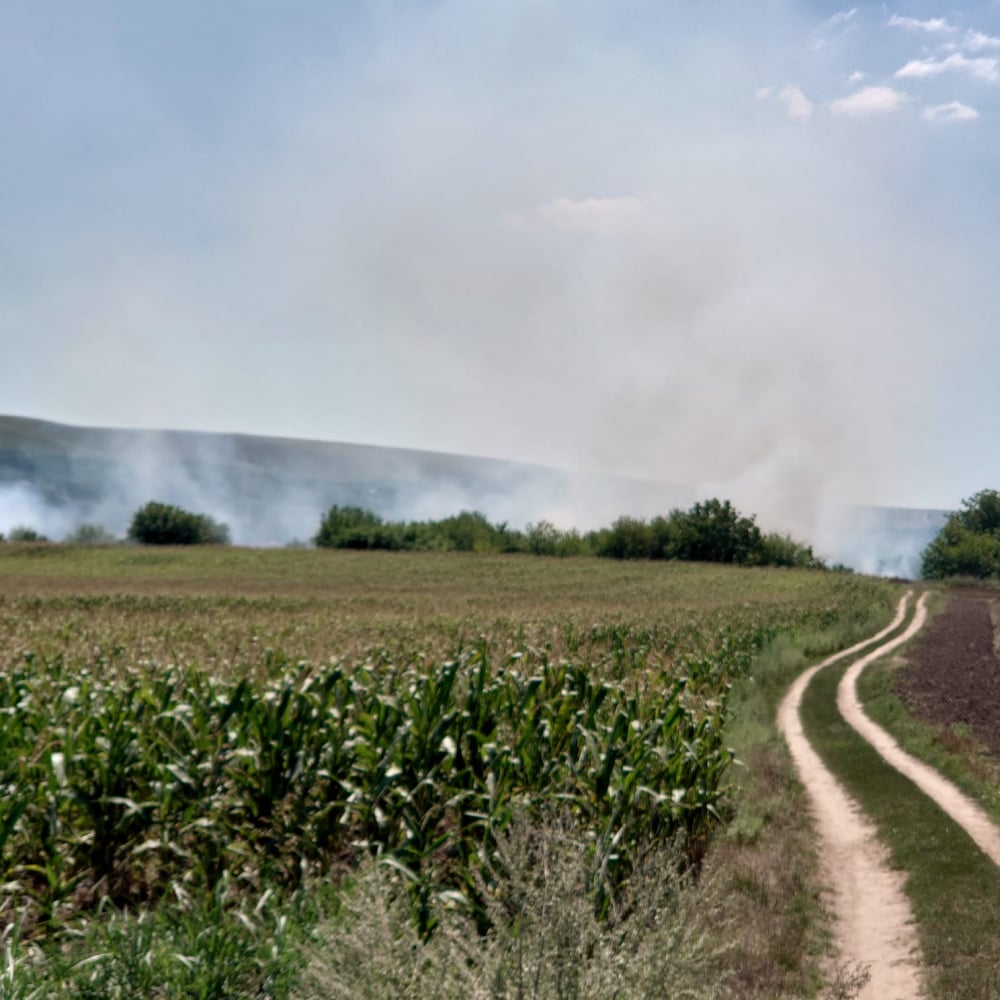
<point>747,247</point>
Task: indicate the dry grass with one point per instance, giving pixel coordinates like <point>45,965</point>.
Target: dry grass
<point>546,943</point>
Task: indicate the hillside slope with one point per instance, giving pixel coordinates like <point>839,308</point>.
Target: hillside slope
<point>271,490</point>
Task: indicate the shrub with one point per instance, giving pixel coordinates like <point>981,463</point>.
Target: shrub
<point>91,534</point>
<point>783,550</point>
<point>354,528</point>
<point>711,531</point>
<point>545,539</point>
<point>968,543</point>
<point>714,531</point>
<point>628,538</point>
<point>24,534</point>
<point>164,524</point>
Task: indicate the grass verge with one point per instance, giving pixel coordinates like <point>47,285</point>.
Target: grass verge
<point>768,847</point>
<point>953,886</point>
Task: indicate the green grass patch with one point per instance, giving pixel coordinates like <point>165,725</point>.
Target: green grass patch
<point>953,886</point>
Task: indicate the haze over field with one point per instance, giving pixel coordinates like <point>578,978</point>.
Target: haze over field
<point>743,247</point>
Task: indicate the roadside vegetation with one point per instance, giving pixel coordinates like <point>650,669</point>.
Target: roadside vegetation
<point>221,764</point>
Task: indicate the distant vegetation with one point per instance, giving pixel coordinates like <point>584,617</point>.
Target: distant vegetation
<point>165,524</point>
<point>711,531</point>
<point>91,534</point>
<point>25,534</point>
<point>969,542</point>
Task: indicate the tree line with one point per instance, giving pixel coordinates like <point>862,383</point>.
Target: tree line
<point>709,531</point>
<point>968,544</point>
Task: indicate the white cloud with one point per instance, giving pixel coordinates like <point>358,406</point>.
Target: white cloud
<point>796,103</point>
<point>976,41</point>
<point>590,215</point>
<point>857,76</point>
<point>933,25</point>
<point>954,111</point>
<point>841,17</point>
<point>983,67</point>
<point>834,27</point>
<point>869,101</point>
<point>763,93</point>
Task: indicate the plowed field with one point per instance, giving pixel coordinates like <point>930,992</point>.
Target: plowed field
<point>953,676</point>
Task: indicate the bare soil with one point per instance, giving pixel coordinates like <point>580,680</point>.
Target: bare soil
<point>952,674</point>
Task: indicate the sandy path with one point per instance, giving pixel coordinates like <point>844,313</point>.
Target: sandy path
<point>873,920</point>
<point>959,806</point>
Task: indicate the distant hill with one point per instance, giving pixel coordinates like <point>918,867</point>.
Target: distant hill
<point>271,491</point>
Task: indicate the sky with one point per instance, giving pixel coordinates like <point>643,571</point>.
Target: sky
<point>746,247</point>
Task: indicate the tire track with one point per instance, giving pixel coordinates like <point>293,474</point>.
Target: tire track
<point>873,922</point>
<point>962,809</point>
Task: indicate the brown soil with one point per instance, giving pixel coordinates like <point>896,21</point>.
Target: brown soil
<point>953,673</point>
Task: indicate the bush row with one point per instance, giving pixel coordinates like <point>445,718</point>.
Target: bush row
<point>711,531</point>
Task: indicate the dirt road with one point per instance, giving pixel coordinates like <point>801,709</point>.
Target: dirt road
<point>872,917</point>
<point>959,806</point>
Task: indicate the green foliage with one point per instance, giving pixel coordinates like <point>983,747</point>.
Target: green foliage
<point>782,550</point>
<point>714,531</point>
<point>470,531</point>
<point>545,539</point>
<point>628,538</point>
<point>164,524</point>
<point>223,946</point>
<point>25,534</point>
<point>163,753</point>
<point>118,790</point>
<point>711,531</point>
<point>91,534</point>
<point>354,528</point>
<point>968,543</point>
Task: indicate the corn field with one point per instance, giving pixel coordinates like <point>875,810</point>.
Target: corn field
<point>170,750</point>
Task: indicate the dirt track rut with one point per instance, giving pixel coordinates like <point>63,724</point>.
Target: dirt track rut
<point>873,923</point>
<point>873,920</point>
<point>963,810</point>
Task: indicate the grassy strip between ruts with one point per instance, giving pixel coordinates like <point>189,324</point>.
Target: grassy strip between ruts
<point>953,886</point>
